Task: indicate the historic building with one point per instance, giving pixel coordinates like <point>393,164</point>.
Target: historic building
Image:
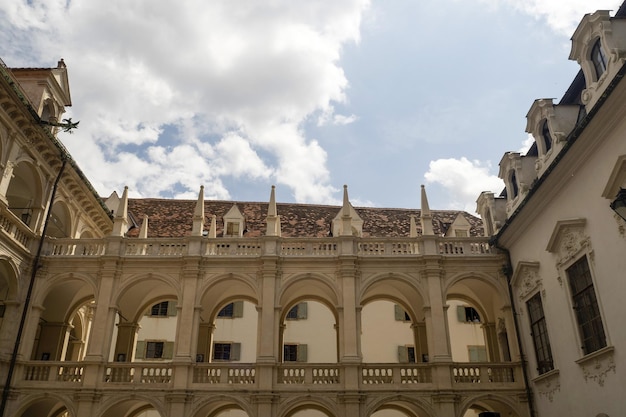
<point>566,243</point>
<point>150,307</point>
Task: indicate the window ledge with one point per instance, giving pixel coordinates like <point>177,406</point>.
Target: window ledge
<point>598,354</point>
<point>546,375</point>
<point>597,365</point>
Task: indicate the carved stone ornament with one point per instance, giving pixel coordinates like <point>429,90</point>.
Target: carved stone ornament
<point>526,278</point>
<point>549,386</point>
<point>568,238</point>
<point>599,367</point>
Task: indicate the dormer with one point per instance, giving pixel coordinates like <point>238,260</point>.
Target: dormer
<point>234,223</point>
<point>518,174</point>
<point>47,89</point>
<point>550,124</point>
<point>492,210</point>
<point>347,222</point>
<point>460,227</point>
<point>599,46</point>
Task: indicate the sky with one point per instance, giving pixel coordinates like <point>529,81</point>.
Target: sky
<point>239,95</point>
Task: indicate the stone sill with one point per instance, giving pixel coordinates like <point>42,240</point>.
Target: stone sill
<point>598,354</point>
<point>545,376</point>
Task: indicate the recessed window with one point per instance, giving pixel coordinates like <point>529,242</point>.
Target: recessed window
<point>598,58</point>
<point>294,352</point>
<point>154,350</point>
<point>406,354</point>
<point>545,134</point>
<point>159,309</point>
<point>232,229</point>
<point>226,351</point>
<point>467,314</point>
<point>586,307</point>
<point>539,332</point>
<point>514,187</point>
<point>297,312</point>
<point>231,310</point>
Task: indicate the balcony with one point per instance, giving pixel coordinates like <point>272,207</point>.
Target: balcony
<point>306,376</point>
<point>255,247</point>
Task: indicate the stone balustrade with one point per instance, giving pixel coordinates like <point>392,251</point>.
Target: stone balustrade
<point>255,247</point>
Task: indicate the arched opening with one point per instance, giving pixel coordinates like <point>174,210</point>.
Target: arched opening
<point>308,333</point>
<point>389,334</point>
<point>59,225</point>
<point>24,194</point>
<point>132,408</point>
<point>48,406</point>
<point>489,406</point>
<point>598,58</point>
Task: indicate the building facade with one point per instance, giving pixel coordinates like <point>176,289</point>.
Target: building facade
<point>149,307</point>
<point>566,244</point>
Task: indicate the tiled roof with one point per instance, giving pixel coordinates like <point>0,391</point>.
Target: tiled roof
<point>174,218</point>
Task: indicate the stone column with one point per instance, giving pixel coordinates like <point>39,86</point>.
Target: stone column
<point>101,330</point>
<point>491,340</point>
<point>268,327</point>
<point>8,329</point>
<point>30,330</point>
<point>350,355</point>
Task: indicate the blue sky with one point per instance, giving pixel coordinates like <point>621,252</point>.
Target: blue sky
<point>238,95</point>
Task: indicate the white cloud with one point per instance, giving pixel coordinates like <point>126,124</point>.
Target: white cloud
<point>528,142</point>
<point>235,80</point>
<point>562,16</point>
<point>463,180</point>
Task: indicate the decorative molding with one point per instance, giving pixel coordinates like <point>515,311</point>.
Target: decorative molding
<point>568,238</point>
<point>526,278</point>
<point>597,365</point>
<point>548,384</point>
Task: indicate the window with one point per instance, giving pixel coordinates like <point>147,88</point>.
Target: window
<point>585,306</point>
<point>232,310</point>
<point>460,233</point>
<point>545,134</point>
<point>232,229</point>
<point>514,187</point>
<point>163,309</point>
<point>477,353</point>
<point>154,350</point>
<point>297,312</point>
<point>598,58</point>
<point>467,314</point>
<point>539,332</point>
<point>226,351</point>
<point>400,314</point>
<point>294,352</point>
<point>159,309</point>
<point>406,354</point>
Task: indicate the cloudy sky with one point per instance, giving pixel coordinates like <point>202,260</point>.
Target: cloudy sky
<point>237,95</point>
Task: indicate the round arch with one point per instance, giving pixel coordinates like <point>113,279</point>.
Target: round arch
<point>131,404</point>
<point>224,289</point>
<point>399,288</point>
<point>52,404</point>
<point>139,291</point>
<point>215,405</point>
<point>293,406</point>
<point>310,286</point>
<point>60,224</point>
<point>411,406</point>
<point>9,279</point>
<point>25,192</point>
<point>491,402</point>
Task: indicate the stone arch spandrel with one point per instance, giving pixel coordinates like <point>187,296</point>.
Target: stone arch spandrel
<point>226,288</point>
<point>122,405</point>
<point>412,406</point>
<point>308,402</point>
<point>310,286</point>
<point>400,288</point>
<point>217,403</point>
<point>137,291</point>
<point>494,401</point>
<point>40,404</point>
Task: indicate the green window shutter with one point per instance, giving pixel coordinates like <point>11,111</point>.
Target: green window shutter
<point>140,351</point>
<point>398,312</point>
<point>477,353</point>
<point>460,313</point>
<point>171,308</point>
<point>168,350</point>
<point>403,354</point>
<point>238,309</point>
<point>302,353</point>
<point>302,311</point>
<point>235,351</point>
